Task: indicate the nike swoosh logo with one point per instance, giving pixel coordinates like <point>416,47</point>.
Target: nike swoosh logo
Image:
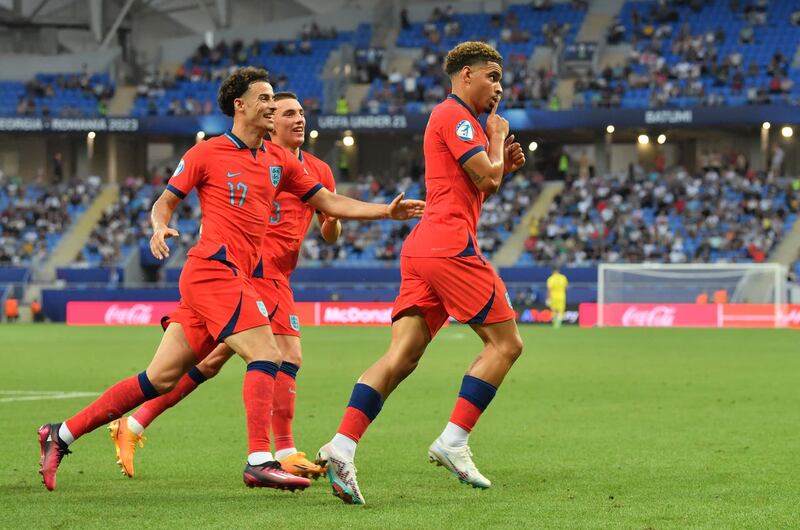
<point>229,174</point>
<point>272,315</point>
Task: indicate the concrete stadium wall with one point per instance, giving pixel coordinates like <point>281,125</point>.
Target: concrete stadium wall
<point>22,67</point>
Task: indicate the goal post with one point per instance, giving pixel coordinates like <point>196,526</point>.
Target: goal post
<point>754,284</point>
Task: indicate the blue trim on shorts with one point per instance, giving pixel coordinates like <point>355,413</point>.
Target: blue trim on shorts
<point>267,367</point>
<point>367,400</point>
<point>196,375</point>
<point>227,331</point>
<point>289,369</point>
<point>483,313</point>
<point>147,387</point>
<point>476,391</point>
<point>221,255</point>
<point>176,191</point>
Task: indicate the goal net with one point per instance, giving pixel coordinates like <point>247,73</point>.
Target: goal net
<point>631,290</point>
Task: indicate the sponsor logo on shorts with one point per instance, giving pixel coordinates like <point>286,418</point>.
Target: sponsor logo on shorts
<point>262,308</point>
<point>294,321</point>
<point>508,301</point>
<point>179,169</point>
<point>275,174</point>
<point>465,131</point>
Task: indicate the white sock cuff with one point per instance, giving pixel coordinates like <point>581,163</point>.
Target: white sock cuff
<point>283,453</point>
<point>65,435</point>
<point>259,457</point>
<point>454,436</point>
<point>345,444</point>
<point>135,426</point>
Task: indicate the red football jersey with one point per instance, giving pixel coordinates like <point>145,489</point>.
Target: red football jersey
<point>452,203</point>
<point>236,186</point>
<point>289,223</point>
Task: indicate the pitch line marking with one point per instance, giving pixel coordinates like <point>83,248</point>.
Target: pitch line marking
<point>37,395</point>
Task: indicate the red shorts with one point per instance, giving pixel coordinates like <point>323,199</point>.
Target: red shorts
<point>216,302</point>
<point>466,288</point>
<point>278,296</point>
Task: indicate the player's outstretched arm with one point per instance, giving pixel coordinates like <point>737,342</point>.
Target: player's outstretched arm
<point>486,169</point>
<point>160,215</point>
<point>342,207</point>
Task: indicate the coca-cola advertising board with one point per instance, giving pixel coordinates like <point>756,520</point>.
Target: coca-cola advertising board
<point>691,315</point>
<point>150,313</point>
<point>118,313</point>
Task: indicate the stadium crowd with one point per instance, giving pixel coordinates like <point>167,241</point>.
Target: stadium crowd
<point>212,64</point>
<point>739,56</point>
<point>721,213</point>
<point>424,85</point>
<point>35,216</point>
<point>382,242</point>
<point>70,95</point>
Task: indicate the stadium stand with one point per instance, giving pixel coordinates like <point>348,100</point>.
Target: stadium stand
<point>378,243</point>
<point>126,225</point>
<point>515,33</point>
<point>293,64</point>
<point>34,217</point>
<point>59,95</point>
<point>686,54</point>
<point>671,217</point>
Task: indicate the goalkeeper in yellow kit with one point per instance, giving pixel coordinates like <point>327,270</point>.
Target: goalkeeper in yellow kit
<point>557,296</point>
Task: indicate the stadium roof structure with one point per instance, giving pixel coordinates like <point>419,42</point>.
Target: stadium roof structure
<point>88,25</point>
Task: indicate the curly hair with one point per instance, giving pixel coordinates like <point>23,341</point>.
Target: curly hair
<point>470,53</point>
<point>237,84</point>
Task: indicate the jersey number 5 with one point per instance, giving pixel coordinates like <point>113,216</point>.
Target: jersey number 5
<point>239,186</point>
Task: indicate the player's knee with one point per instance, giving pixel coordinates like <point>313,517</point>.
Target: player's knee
<point>511,349</point>
<point>292,356</point>
<point>403,363</point>
<point>264,352</point>
<point>163,383</point>
<point>210,370</point>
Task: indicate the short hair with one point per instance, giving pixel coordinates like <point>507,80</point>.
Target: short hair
<point>470,53</point>
<point>279,96</point>
<point>237,84</point>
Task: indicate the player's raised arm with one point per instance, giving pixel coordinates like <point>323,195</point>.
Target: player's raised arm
<point>486,169</point>
<point>160,215</point>
<point>346,208</point>
<point>514,157</point>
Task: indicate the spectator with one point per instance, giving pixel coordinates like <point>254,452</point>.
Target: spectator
<point>36,311</point>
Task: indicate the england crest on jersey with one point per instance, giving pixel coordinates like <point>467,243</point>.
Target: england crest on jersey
<point>275,174</point>
<point>465,131</point>
<point>294,321</point>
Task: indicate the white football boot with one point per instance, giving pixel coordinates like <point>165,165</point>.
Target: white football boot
<point>341,474</point>
<point>458,460</point>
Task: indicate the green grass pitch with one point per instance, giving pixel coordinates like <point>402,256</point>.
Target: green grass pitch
<point>597,428</point>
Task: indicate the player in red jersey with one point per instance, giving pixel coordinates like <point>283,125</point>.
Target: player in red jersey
<point>237,176</point>
<point>289,224</point>
<point>443,272</point>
